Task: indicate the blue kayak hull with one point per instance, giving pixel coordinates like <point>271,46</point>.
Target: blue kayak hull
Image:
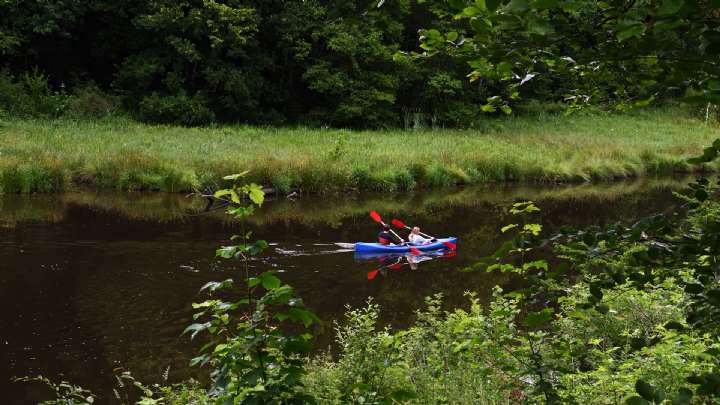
<point>379,248</point>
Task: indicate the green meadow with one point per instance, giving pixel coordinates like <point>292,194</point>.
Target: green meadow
<point>118,153</point>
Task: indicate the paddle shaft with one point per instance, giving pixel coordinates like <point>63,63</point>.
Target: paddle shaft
<point>401,224</point>
<point>393,232</point>
<point>376,217</point>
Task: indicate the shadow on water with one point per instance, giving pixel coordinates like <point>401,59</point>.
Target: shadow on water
<point>91,282</point>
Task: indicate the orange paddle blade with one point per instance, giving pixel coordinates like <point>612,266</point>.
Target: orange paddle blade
<point>375,216</point>
<point>372,274</point>
<point>398,223</point>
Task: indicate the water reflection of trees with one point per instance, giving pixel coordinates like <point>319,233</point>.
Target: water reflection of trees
<point>314,210</point>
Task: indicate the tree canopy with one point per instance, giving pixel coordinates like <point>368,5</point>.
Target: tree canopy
<point>582,51</point>
<point>364,63</point>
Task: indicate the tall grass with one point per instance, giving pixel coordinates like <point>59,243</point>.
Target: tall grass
<point>52,155</point>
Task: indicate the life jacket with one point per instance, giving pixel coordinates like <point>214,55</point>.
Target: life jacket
<point>385,238</point>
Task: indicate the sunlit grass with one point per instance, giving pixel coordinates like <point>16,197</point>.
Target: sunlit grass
<point>42,156</point>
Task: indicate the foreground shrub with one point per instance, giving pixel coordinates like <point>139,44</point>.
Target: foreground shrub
<point>483,356</point>
<point>447,357</point>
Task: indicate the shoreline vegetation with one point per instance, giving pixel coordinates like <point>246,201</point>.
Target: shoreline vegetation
<point>118,153</point>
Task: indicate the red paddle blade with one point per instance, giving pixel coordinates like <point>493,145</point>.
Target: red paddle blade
<point>372,274</point>
<point>450,245</point>
<point>415,251</point>
<point>398,223</point>
<point>375,216</point>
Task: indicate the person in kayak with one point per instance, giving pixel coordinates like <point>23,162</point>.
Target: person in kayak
<point>386,237</point>
<point>416,239</point>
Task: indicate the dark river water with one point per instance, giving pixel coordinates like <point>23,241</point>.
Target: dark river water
<point>91,283</point>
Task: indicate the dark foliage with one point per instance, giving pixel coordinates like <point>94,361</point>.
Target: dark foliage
<point>356,63</point>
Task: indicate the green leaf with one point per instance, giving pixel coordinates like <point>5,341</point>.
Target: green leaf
<point>492,5</point>
<point>269,281</point>
<point>471,11</point>
<point>508,227</point>
<point>215,285</point>
<point>644,102</point>
<point>645,390</point>
<point>602,308</point>
<point>538,26</point>
<point>518,6</point>
<point>196,328</point>
<point>302,315</point>
<point>452,36</point>
<point>200,360</point>
<point>659,396</point>
<point>236,176</point>
<point>256,194</point>
<point>504,70</point>
<point>502,267</point>
<point>534,229</point>
<point>537,264</point>
<point>545,4</point>
<point>577,314</point>
<point>227,252</point>
<point>224,192</point>
<point>524,207</point>
<point>537,319</point>
<point>683,397</point>
<point>506,109</point>
<point>636,400</point>
<point>629,29</point>
<point>403,396</point>
<point>670,7</point>
<point>674,325</point>
<point>258,247</point>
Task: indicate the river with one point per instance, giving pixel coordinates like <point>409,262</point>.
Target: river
<point>96,282</point>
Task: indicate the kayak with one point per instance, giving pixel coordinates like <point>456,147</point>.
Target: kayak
<point>380,248</point>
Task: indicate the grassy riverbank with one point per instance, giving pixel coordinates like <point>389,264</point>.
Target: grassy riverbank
<point>46,156</point>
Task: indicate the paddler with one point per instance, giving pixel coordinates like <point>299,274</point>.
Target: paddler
<point>417,239</point>
<point>387,237</point>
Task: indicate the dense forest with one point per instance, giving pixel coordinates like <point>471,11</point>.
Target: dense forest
<point>351,63</point>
